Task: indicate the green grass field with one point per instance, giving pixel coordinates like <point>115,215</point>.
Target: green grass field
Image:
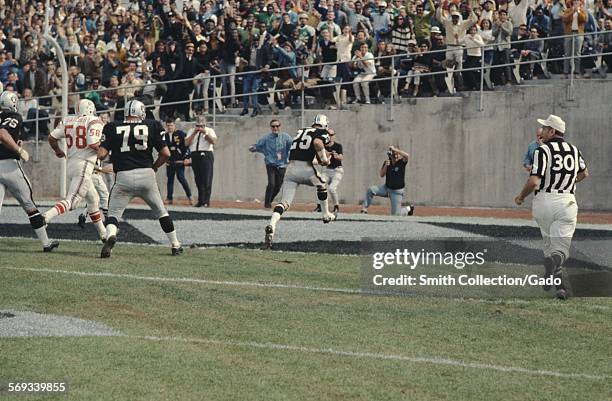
<point>234,341</point>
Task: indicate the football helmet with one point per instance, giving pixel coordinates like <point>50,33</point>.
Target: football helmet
<point>86,108</point>
<point>8,101</point>
<point>322,120</point>
<point>135,108</point>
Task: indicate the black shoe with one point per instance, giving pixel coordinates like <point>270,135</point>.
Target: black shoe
<point>317,209</point>
<point>108,246</point>
<point>267,206</point>
<point>244,112</point>
<point>198,204</point>
<point>561,294</point>
<point>82,220</point>
<point>411,212</point>
<point>254,113</point>
<point>336,210</point>
<point>177,251</point>
<point>268,237</point>
<point>52,245</point>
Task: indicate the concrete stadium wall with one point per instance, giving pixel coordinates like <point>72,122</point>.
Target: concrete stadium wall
<point>460,156</point>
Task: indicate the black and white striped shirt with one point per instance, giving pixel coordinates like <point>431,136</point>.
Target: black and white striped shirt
<point>557,163</point>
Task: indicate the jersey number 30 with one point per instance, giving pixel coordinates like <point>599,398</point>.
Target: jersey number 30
<point>140,134</point>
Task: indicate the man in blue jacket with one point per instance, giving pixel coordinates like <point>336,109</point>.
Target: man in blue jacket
<point>275,148</point>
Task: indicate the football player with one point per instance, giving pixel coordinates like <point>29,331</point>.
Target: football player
<point>130,144</point>
<point>82,133</point>
<point>12,177</point>
<point>308,144</point>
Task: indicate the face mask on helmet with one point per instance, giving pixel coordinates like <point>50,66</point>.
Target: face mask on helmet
<point>135,108</point>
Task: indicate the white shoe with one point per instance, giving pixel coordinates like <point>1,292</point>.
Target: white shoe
<point>328,217</point>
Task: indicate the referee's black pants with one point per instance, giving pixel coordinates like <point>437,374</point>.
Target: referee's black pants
<point>202,164</point>
<point>275,182</point>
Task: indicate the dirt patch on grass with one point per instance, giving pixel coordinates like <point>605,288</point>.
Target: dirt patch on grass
<point>30,324</point>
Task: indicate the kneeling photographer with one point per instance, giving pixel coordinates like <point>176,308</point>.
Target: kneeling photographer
<point>394,171</point>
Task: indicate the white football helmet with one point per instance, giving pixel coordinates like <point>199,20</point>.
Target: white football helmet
<point>135,108</point>
<point>322,120</point>
<point>8,101</point>
<point>86,108</point>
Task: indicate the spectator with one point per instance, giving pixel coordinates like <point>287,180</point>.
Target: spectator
<point>502,31</point>
<point>381,22</point>
<point>473,41</point>
<point>35,79</point>
<point>401,34</point>
<point>422,19</point>
<point>275,147</point>
<point>175,166</point>
<point>540,21</point>
<point>532,51</point>
<point>363,63</point>
<point>455,32</point>
<point>574,19</point>
<point>285,57</point>
<point>422,64</point>
<point>329,25</point>
<point>201,141</point>
<point>344,43</point>
<point>384,68</point>
<point>258,58</point>
<point>356,19</point>
<point>329,54</point>
<point>110,67</point>
<point>394,171</point>
<point>517,13</point>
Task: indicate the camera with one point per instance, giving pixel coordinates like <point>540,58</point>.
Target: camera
<point>390,154</point>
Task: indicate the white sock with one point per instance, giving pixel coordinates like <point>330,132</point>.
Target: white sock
<point>275,218</point>
<point>323,204</point>
<point>50,214</point>
<point>173,240</point>
<point>111,230</point>
<point>41,233</point>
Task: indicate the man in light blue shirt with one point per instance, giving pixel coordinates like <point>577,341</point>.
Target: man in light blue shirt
<point>275,147</point>
<point>528,159</point>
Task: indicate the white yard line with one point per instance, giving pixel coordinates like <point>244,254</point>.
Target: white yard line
<point>293,348</point>
<point>390,357</point>
<point>353,291</point>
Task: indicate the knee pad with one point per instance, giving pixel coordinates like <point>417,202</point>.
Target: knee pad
<point>36,219</point>
<point>112,220</point>
<point>322,192</point>
<point>166,224</point>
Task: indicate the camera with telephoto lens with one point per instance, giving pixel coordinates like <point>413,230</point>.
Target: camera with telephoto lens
<point>390,154</point>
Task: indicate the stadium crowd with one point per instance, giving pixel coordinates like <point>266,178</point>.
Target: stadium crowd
<point>112,47</point>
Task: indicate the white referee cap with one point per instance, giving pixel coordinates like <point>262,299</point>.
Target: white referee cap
<point>555,122</point>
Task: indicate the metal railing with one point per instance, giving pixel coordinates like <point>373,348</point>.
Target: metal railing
<point>217,99</point>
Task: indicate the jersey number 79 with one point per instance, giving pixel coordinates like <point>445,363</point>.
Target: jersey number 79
<point>140,133</point>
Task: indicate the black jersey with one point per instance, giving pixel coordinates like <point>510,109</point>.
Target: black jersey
<point>10,121</point>
<point>336,147</point>
<point>131,143</point>
<point>303,143</point>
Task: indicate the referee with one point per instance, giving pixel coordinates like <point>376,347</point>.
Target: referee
<point>557,167</point>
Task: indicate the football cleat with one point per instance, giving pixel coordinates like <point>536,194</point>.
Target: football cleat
<point>268,237</point>
<point>52,245</point>
<point>411,212</point>
<point>561,294</point>
<point>108,246</point>
<point>328,218</point>
<point>82,220</point>
<point>177,251</point>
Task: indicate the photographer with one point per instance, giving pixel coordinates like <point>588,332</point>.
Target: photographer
<point>201,141</point>
<point>394,171</point>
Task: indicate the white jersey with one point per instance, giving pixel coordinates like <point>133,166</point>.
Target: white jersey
<point>80,134</point>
